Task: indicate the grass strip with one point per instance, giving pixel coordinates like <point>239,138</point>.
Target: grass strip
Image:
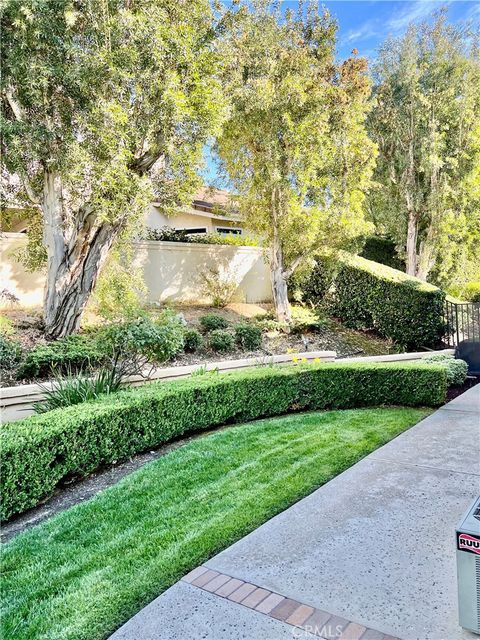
<point>89,569</point>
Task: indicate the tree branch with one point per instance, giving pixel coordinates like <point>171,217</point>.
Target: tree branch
<point>289,272</point>
<point>146,161</point>
<point>20,117</point>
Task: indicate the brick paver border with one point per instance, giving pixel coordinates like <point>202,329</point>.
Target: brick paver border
<point>317,622</point>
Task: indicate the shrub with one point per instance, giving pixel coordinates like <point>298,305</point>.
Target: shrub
<point>456,368</point>
<point>382,250</point>
<point>10,352</point>
<point>181,235</point>
<point>8,299</point>
<point>305,319</point>
<point>118,292</point>
<point>368,295</point>
<point>157,340</point>
<point>230,239</point>
<point>213,321</point>
<point>248,336</point>
<point>6,326</point>
<point>219,287</point>
<point>75,389</point>
<point>221,340</point>
<point>40,451</point>
<point>193,340</point>
<point>471,292</point>
<point>67,354</point>
<point>315,285</point>
<point>167,234</point>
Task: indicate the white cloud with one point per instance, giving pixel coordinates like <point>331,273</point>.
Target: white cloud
<point>414,11</point>
<point>363,32</point>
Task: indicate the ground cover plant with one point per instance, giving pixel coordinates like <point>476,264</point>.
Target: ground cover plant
<point>41,451</point>
<point>87,570</point>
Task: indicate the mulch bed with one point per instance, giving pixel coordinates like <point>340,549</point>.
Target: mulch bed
<point>454,392</point>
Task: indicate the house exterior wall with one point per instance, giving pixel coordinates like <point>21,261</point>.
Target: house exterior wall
<point>155,219</point>
<point>172,271</point>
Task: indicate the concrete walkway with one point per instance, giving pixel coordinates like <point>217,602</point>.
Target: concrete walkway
<point>373,548</point>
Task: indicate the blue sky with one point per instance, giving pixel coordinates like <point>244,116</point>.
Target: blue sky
<point>365,24</point>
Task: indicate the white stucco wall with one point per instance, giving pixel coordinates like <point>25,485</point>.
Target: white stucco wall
<point>28,287</point>
<point>171,270</point>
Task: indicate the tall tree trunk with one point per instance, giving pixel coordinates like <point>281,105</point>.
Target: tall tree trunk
<point>412,231</point>
<point>278,273</point>
<point>77,248</point>
<point>426,254</point>
<point>279,280</point>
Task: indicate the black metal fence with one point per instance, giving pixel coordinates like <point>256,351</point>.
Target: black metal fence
<point>463,322</point>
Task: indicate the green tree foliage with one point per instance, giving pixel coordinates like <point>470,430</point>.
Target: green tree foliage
<point>104,102</point>
<point>294,144</point>
<point>426,122</point>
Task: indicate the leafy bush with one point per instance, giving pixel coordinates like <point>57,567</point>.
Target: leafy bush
<point>314,285</point>
<point>471,292</point>
<point>230,239</point>
<point>117,294</point>
<point>248,336</point>
<point>40,451</point>
<point>456,368</point>
<point>382,250</point>
<point>221,340</point>
<point>10,352</point>
<point>193,340</point>
<point>75,389</point>
<point>305,319</point>
<point>8,299</point>
<point>67,354</point>
<point>368,295</point>
<point>213,321</point>
<point>6,326</point>
<point>220,288</point>
<point>158,340</point>
<point>167,234</point>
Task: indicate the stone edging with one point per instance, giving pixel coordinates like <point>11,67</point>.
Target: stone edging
<point>302,616</point>
<point>24,395</point>
<point>27,393</point>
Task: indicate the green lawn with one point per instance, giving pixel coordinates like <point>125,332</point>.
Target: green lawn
<point>88,569</point>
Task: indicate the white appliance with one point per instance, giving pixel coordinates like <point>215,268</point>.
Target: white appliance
<point>468,568</point>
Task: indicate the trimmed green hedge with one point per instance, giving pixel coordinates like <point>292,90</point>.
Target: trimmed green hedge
<point>40,451</point>
<point>369,295</point>
<point>382,249</point>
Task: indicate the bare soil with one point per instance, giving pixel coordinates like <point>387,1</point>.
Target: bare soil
<point>331,336</point>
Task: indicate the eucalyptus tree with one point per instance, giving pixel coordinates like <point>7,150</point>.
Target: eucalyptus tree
<point>294,143</point>
<point>103,102</point>
<point>426,121</point>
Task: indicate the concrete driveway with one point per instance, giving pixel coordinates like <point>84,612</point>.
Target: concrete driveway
<point>370,555</point>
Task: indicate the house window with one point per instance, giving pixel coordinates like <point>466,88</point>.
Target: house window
<point>226,230</point>
<point>191,232</point>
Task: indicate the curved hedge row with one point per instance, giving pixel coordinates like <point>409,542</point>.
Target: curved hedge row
<point>369,295</point>
<point>41,451</point>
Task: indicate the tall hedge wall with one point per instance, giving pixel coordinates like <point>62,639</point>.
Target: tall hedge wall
<point>41,451</point>
<point>369,295</point>
<point>381,249</point>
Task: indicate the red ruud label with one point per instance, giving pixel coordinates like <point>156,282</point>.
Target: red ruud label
<point>467,542</point>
